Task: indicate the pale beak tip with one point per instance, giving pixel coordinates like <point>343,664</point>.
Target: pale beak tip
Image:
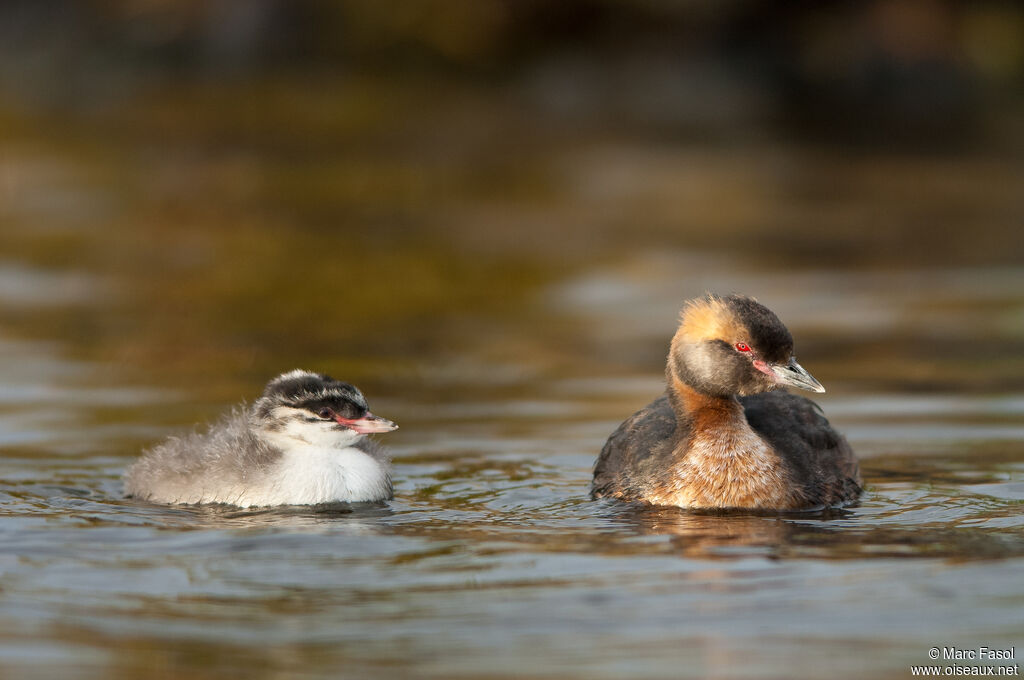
<point>795,375</point>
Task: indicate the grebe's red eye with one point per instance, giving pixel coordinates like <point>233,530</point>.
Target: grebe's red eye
<point>742,347</point>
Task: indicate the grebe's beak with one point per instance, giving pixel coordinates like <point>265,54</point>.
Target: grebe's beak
<point>368,424</point>
<point>795,375</point>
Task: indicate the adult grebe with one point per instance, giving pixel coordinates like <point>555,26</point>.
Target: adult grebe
<point>720,437</point>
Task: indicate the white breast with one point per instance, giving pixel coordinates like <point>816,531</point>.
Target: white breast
<point>308,475</point>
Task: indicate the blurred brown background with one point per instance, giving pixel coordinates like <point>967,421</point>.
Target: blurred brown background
<point>486,214</point>
<point>236,171</point>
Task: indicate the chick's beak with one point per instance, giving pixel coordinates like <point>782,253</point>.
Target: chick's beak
<point>368,424</point>
<point>795,375</point>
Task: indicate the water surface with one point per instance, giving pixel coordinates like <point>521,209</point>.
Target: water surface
<point>148,286</point>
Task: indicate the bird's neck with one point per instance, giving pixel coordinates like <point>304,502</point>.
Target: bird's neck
<point>719,460</point>
<point>705,411</point>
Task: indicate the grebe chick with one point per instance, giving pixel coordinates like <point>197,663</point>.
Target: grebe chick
<point>303,442</point>
<point>720,437</point>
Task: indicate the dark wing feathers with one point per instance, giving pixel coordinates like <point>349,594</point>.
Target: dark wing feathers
<point>820,458</point>
<point>636,453</point>
<point>639,452</point>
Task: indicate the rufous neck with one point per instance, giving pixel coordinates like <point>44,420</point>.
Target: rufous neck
<point>689,403</point>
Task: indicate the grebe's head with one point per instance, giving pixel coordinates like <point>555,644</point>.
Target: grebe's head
<point>315,409</point>
<point>734,346</point>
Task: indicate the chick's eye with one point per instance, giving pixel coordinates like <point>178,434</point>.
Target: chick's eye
<point>742,347</point>
<point>324,413</point>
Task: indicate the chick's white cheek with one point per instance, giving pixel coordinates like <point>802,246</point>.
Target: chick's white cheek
<point>323,435</point>
<point>328,434</point>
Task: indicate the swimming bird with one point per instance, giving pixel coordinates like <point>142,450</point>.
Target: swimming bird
<point>303,442</point>
<point>723,435</point>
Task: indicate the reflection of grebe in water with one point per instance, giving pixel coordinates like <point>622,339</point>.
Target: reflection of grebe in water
<point>720,437</point>
<point>302,443</point>
<point>707,535</point>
